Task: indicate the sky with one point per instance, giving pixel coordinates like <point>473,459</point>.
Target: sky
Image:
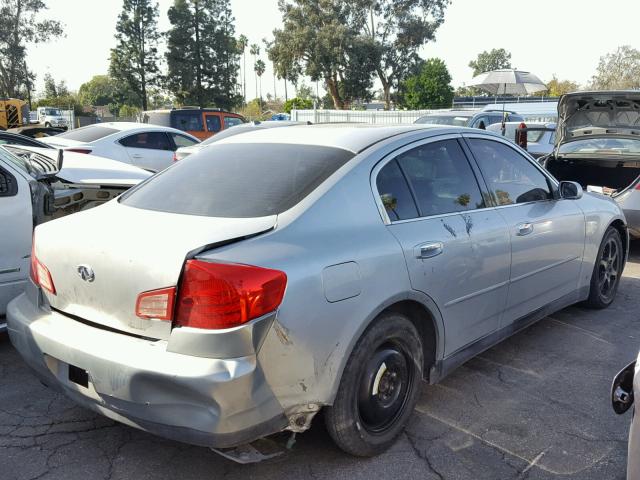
<point>565,38</point>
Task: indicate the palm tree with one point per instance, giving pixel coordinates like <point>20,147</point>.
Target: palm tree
<point>267,46</point>
<point>243,42</point>
<point>255,51</point>
<point>259,68</point>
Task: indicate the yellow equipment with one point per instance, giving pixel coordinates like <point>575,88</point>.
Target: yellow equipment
<point>14,113</point>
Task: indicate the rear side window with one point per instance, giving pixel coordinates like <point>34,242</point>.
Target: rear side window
<point>182,141</point>
<point>395,194</point>
<point>239,180</point>
<point>87,134</point>
<point>187,121</point>
<point>148,140</point>
<point>511,177</point>
<point>441,178</point>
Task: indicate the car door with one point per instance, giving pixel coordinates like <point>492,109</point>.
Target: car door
<point>16,218</point>
<point>456,249</point>
<point>149,150</point>
<point>547,232</point>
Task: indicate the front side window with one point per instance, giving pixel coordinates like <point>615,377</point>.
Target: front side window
<point>441,178</point>
<point>511,177</point>
<point>232,121</point>
<point>147,140</point>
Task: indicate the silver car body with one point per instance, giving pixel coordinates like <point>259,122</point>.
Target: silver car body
<point>469,278</point>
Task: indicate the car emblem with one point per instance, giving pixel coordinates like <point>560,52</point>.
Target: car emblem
<point>86,273</point>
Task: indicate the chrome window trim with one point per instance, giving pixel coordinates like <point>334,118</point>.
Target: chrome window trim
<point>410,146</point>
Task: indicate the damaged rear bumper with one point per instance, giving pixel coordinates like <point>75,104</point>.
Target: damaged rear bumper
<point>203,401</point>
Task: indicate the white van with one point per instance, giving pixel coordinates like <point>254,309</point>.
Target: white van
<point>52,117</point>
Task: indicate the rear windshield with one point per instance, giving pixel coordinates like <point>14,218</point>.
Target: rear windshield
<point>87,134</point>
<point>239,180</point>
<point>601,146</point>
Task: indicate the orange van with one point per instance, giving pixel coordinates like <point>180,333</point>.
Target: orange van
<point>199,122</point>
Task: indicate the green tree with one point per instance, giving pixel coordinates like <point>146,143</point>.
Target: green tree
<point>254,50</point>
<point>431,88</point>
<point>556,88</point>
<point>298,104</point>
<point>619,70</point>
<point>318,38</point>
<point>496,59</point>
<point>243,43</point>
<point>100,90</point>
<point>50,90</point>
<point>134,60</point>
<point>202,54</point>
<point>397,29</point>
<point>20,27</point>
<point>259,68</point>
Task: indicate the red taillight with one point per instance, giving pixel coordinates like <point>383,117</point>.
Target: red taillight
<point>39,273</point>
<point>175,157</point>
<point>78,150</point>
<point>225,295</point>
<point>156,304</point>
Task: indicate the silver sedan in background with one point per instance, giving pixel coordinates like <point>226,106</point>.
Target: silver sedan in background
<point>308,268</point>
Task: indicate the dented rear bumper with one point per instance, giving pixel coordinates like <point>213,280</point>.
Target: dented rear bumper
<point>198,400</point>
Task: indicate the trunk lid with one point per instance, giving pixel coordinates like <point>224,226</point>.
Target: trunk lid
<point>583,114</point>
<point>129,250</point>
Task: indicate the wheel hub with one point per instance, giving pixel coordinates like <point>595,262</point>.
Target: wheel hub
<point>383,389</point>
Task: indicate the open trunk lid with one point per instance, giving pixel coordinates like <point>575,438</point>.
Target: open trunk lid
<point>615,113</point>
<point>129,251</point>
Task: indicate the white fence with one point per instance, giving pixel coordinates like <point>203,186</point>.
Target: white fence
<point>378,117</point>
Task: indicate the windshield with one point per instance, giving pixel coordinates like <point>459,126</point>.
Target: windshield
<point>239,180</point>
<point>87,134</point>
<point>601,146</point>
<point>458,121</point>
<point>55,112</point>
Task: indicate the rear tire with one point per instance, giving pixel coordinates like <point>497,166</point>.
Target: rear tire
<point>606,271</point>
<point>48,125</point>
<point>379,387</point>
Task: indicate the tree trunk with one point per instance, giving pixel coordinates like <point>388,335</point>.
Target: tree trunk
<point>198,57</point>
<point>332,84</point>
<point>286,96</point>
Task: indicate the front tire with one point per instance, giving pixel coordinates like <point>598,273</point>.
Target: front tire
<point>379,387</point>
<point>607,271</point>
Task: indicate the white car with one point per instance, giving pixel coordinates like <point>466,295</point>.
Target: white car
<point>540,135</point>
<point>151,147</point>
<point>34,190</point>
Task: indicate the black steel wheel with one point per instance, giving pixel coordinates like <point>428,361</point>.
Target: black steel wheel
<point>379,387</point>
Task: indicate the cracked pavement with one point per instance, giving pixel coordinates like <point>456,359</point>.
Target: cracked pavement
<point>534,407</point>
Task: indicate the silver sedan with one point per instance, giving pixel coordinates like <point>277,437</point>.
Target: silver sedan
<point>308,268</point>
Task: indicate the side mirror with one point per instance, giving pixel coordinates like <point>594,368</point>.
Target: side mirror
<point>570,190</point>
<point>622,389</point>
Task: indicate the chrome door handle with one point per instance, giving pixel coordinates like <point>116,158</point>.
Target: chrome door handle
<point>524,229</point>
<point>136,155</point>
<point>429,250</point>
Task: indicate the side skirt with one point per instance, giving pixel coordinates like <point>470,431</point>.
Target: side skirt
<point>444,367</point>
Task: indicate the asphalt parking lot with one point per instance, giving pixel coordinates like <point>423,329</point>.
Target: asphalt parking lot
<point>534,407</point>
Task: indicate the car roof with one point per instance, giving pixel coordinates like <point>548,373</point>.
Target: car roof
<point>452,113</point>
<point>352,137</point>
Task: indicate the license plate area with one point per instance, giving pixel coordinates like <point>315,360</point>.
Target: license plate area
<point>78,376</point>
